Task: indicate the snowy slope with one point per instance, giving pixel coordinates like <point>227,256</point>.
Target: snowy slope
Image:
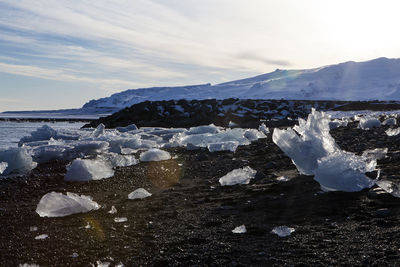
<point>370,80</point>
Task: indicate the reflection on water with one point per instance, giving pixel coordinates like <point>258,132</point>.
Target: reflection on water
<point>164,174</point>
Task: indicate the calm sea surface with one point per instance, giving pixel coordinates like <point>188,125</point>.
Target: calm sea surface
<point>11,132</point>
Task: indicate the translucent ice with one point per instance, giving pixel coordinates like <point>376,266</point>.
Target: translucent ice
<point>282,231</point>
<point>230,146</point>
<point>3,166</point>
<point>118,160</point>
<point>368,123</point>
<point>139,193</point>
<point>263,128</point>
<point>377,153</point>
<point>308,142</point>
<point>390,187</point>
<point>204,129</point>
<point>344,171</point>
<point>239,230</point>
<point>100,130</point>
<point>253,134</point>
<point>18,160</point>
<point>88,169</point>
<point>58,205</point>
<point>238,176</point>
<point>337,123</point>
<point>389,122</point>
<point>128,128</point>
<point>113,210</point>
<point>154,154</point>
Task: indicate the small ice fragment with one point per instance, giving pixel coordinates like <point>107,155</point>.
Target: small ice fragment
<point>393,132</point>
<point>282,231</point>
<point>389,186</point>
<point>87,226</point>
<point>238,176</point>
<point>113,210</point>
<point>232,124</point>
<point>40,237</point>
<point>3,166</point>
<point>282,179</point>
<point>100,130</point>
<point>139,193</point>
<point>377,153</point>
<point>58,205</point>
<point>29,265</point>
<point>155,154</point>
<point>103,264</point>
<point>120,219</point>
<point>75,255</point>
<point>33,228</point>
<point>239,230</point>
<point>120,264</point>
<point>263,128</point>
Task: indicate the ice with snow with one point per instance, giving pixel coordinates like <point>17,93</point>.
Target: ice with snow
<point>282,231</point>
<point>239,229</point>
<point>238,176</point>
<point>18,160</point>
<point>369,122</point>
<point>59,205</point>
<point>88,169</point>
<point>155,154</point>
<point>139,193</point>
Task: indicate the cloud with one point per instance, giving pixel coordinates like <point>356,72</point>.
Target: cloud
<point>252,56</point>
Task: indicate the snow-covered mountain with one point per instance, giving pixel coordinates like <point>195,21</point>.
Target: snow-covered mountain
<point>369,80</point>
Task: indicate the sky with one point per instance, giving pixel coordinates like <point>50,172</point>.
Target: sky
<point>58,54</point>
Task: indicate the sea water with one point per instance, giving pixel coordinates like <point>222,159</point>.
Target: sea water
<point>11,132</point>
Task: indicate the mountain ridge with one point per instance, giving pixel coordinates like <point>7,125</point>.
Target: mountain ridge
<point>377,79</point>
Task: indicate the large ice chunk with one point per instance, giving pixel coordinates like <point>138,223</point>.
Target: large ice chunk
<point>47,133</point>
<point>58,205</point>
<point>100,130</point>
<point>238,176</point>
<point>46,153</point>
<point>337,123</point>
<point>389,122</point>
<point>18,160</point>
<point>155,154</point>
<point>3,166</point>
<point>308,142</point>
<point>88,169</point>
<point>369,122</point>
<point>344,171</point>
